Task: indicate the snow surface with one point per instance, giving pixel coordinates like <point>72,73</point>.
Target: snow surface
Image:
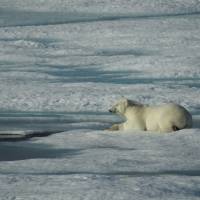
<point>62,65</point>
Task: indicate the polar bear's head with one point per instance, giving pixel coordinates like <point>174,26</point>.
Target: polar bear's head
<point>121,106</point>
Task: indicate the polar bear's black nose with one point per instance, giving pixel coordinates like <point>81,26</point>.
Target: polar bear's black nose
<point>110,110</point>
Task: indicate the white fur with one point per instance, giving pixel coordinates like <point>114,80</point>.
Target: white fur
<point>163,118</point>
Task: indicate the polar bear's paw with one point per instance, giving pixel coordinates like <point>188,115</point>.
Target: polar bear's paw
<point>114,127</point>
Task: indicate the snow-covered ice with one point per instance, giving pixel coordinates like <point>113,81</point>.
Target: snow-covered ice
<point>62,65</point>
<point>85,164</point>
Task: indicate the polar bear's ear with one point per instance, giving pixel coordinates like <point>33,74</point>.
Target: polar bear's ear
<point>133,103</point>
<point>125,102</point>
<point>123,98</point>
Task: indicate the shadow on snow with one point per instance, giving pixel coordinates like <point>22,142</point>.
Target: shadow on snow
<point>16,17</point>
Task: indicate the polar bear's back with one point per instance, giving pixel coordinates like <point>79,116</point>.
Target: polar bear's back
<point>169,117</point>
<point>175,115</point>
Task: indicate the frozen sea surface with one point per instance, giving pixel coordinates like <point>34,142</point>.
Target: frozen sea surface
<point>62,65</point>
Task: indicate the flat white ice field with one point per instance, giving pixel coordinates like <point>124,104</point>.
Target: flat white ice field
<point>62,65</point>
<point>85,164</point>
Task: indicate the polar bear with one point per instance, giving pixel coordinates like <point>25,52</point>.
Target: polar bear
<point>164,118</point>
